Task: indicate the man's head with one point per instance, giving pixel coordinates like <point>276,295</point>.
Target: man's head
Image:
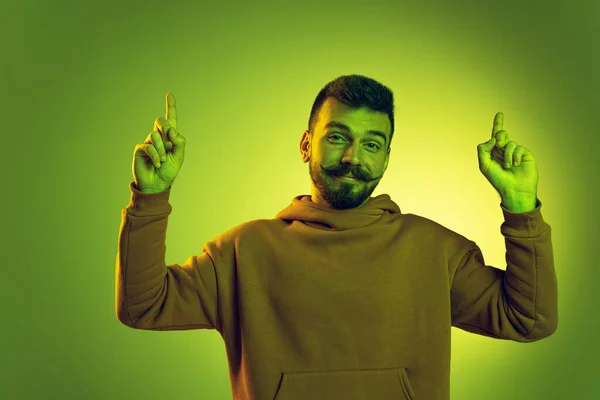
<point>350,130</point>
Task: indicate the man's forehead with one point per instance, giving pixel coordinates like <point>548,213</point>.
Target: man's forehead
<point>334,110</point>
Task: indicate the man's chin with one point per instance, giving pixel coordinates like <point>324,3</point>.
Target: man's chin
<point>338,201</point>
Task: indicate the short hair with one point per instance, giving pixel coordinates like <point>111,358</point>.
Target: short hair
<point>355,91</point>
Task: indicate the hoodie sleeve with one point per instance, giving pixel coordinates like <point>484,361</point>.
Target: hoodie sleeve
<point>149,294</point>
<point>519,304</point>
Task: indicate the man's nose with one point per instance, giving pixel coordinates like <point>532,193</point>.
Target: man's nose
<point>353,155</point>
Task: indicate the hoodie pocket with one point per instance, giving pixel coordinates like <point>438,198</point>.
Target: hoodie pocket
<point>377,384</point>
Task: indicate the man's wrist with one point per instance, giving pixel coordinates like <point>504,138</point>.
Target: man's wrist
<point>519,203</point>
<point>152,190</point>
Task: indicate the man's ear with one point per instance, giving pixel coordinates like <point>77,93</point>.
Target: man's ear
<point>387,159</point>
<point>305,146</point>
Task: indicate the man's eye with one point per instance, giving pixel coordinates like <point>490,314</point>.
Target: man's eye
<point>375,146</point>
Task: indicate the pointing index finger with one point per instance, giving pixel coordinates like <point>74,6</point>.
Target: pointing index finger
<point>171,110</point>
<point>498,122</point>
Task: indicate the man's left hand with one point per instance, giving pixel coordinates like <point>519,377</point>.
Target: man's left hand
<point>508,166</point>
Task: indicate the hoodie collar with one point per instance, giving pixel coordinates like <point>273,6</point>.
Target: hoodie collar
<point>321,217</point>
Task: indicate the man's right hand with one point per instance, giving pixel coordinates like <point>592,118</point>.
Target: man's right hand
<point>157,160</point>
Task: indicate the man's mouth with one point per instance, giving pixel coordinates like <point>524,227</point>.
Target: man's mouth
<point>348,178</point>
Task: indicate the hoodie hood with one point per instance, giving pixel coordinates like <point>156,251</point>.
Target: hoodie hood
<point>321,217</point>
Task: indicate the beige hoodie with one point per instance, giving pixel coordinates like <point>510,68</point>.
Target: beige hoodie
<point>319,303</point>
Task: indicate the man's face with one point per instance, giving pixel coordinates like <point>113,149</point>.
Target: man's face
<point>334,151</point>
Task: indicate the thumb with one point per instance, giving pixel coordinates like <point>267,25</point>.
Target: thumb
<point>487,146</point>
<point>484,150</point>
<point>178,142</point>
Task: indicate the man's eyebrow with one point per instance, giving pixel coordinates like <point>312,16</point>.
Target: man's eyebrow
<point>335,124</point>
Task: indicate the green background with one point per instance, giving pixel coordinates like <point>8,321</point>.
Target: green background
<point>83,82</point>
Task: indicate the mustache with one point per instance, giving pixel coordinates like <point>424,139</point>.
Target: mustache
<point>341,171</point>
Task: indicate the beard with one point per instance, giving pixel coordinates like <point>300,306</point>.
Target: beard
<point>339,194</point>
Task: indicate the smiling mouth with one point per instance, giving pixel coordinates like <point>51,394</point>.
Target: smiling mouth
<point>348,178</point>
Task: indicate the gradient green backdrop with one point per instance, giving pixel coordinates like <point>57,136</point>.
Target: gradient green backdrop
<point>82,83</point>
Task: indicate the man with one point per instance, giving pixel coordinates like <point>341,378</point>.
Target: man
<point>340,296</point>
